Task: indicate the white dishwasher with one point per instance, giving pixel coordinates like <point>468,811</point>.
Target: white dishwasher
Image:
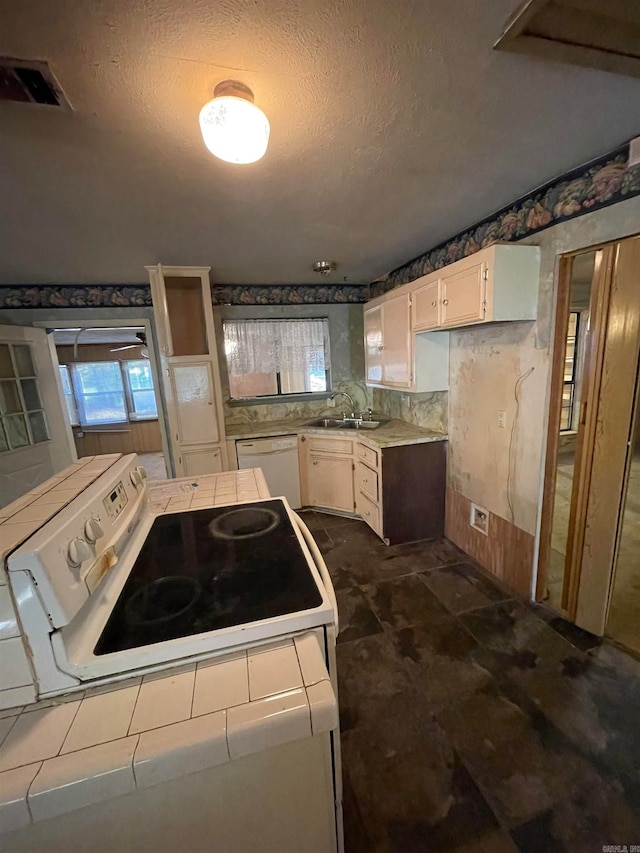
<point>278,458</point>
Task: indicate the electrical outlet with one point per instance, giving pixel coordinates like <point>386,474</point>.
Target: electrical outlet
<point>634,152</point>
<point>502,418</point>
<point>479,519</point>
<point>331,403</point>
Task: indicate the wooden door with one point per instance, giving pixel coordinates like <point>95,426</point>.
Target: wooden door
<point>425,308</point>
<point>373,343</point>
<point>35,435</point>
<point>463,295</point>
<point>330,482</point>
<point>602,455</point>
<point>397,341</point>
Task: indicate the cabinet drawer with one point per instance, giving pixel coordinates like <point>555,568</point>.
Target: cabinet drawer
<point>367,481</point>
<point>368,455</point>
<point>330,445</point>
<point>368,511</point>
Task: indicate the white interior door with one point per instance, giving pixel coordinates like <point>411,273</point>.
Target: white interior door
<point>35,436</point>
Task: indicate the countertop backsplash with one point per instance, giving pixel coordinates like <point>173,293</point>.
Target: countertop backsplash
<point>428,410</point>
<point>302,408</point>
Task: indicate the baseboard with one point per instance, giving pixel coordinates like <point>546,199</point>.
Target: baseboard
<point>506,552</point>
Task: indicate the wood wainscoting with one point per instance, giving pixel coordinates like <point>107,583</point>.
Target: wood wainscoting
<point>133,437</point>
<point>507,552</point>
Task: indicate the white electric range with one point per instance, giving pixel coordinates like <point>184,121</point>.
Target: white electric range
<point>118,584</point>
<point>110,588</point>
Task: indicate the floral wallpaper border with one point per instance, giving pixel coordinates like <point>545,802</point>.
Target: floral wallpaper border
<point>130,296</point>
<point>591,187</point>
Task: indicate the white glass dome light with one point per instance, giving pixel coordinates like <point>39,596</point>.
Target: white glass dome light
<point>233,128</point>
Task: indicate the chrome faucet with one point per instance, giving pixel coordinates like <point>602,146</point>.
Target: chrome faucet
<point>349,398</point>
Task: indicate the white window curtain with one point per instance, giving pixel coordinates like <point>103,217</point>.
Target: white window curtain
<point>276,346</point>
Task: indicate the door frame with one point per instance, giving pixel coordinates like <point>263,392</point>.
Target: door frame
<point>153,360</point>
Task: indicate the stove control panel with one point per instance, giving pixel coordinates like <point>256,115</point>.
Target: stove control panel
<point>116,501</point>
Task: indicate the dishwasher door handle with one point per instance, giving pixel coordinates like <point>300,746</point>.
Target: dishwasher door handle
<point>321,566</point>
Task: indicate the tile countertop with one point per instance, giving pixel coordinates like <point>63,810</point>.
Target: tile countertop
<point>85,748</point>
<point>392,434</point>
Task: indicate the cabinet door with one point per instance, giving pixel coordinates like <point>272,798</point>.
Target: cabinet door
<point>180,307</point>
<point>373,343</point>
<point>369,511</point>
<point>463,295</point>
<point>397,340</point>
<point>192,401</point>
<point>199,460</point>
<point>330,482</point>
<point>425,308</point>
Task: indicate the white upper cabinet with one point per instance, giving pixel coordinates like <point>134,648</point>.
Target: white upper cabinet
<point>397,358</point>
<point>425,313</point>
<point>463,295</point>
<point>406,337</point>
<point>495,284</point>
<point>190,372</point>
<point>388,343</point>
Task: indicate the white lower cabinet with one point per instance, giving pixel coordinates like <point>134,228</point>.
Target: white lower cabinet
<point>326,472</point>
<point>194,461</point>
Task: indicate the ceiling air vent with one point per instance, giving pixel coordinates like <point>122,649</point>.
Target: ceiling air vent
<point>30,83</point>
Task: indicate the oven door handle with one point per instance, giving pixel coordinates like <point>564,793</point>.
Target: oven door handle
<point>321,565</point>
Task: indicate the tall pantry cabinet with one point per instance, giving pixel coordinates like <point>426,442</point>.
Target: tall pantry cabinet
<point>190,373</point>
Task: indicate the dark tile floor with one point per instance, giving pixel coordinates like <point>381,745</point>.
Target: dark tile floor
<point>471,721</point>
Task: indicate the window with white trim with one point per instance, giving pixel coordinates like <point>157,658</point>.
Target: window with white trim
<point>98,393</point>
<point>270,358</point>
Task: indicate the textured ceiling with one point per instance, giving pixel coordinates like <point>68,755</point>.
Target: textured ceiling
<point>393,126</point>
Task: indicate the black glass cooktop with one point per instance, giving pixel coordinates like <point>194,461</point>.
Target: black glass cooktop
<point>207,569</point>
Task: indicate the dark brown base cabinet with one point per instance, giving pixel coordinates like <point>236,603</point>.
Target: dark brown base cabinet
<point>413,492</point>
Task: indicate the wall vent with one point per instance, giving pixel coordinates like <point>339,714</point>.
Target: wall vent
<point>30,82</point>
<point>479,519</point>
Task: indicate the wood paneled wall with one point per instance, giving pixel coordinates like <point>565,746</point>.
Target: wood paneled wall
<point>134,437</point>
<point>507,552</point>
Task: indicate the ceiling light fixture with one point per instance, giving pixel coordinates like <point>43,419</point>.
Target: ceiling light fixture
<point>233,128</point>
<point>324,267</point>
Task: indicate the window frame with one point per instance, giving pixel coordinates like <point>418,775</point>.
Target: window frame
<point>128,395</point>
<point>279,397</point>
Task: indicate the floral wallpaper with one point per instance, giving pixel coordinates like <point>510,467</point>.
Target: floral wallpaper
<point>286,294</point>
<point>596,185</point>
<point>127,296</point>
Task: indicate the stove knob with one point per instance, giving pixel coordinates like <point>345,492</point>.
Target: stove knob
<point>138,475</point>
<point>77,552</point>
<point>93,530</point>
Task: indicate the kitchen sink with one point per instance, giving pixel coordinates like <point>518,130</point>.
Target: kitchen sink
<point>326,423</point>
<point>348,423</point>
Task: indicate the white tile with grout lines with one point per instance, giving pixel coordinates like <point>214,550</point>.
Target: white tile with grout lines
<point>82,778</point>
<point>164,699</point>
<point>220,685</point>
<point>273,672</point>
<point>15,784</point>
<point>101,718</point>
<point>37,736</point>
